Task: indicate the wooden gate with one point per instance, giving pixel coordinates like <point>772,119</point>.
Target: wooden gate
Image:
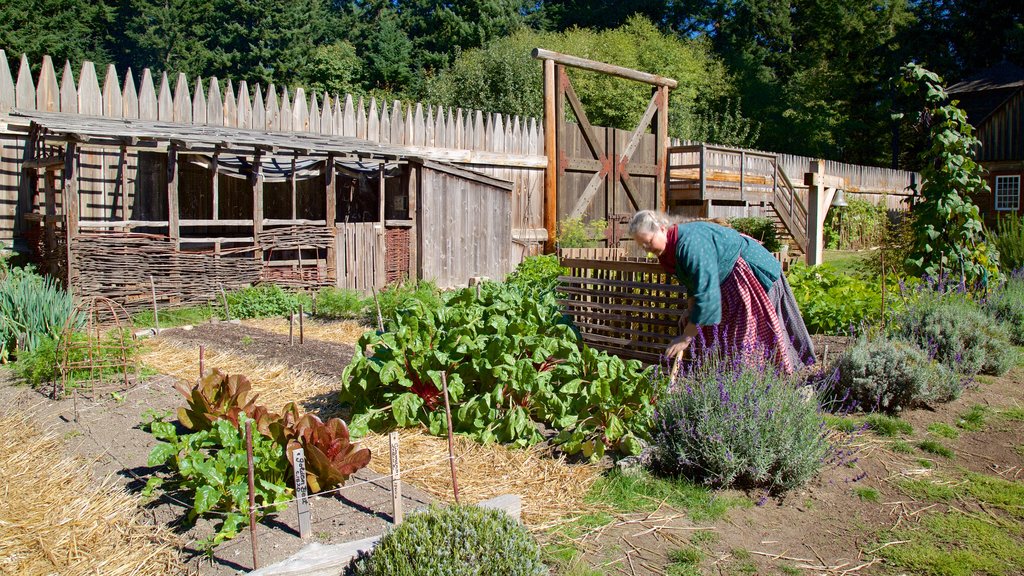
<point>360,256</point>
<point>605,157</point>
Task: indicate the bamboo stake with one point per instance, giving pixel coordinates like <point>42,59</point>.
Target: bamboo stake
<point>202,360</point>
<point>451,449</point>
<point>396,480</point>
<point>301,330</point>
<point>291,327</point>
<point>156,318</point>
<point>252,492</point>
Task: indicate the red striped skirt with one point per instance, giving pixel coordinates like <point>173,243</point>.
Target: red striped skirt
<point>749,324</point>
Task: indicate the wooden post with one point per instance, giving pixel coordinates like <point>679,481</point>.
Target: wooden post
<point>661,158</point>
<point>331,191</point>
<point>816,208</point>
<point>414,231</point>
<point>291,327</point>
<point>202,360</point>
<point>49,224</point>
<point>550,150</point>
<point>257,202</point>
<point>122,165</point>
<point>70,204</point>
<point>301,332</point>
<point>173,214</point>
<point>451,438</point>
<point>703,172</point>
<point>215,184</point>
<point>252,492</point>
<point>396,480</point>
<point>295,190</point>
<point>156,317</point>
<point>302,492</point>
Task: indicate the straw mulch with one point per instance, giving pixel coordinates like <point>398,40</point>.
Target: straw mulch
<point>276,384</point>
<point>338,332</point>
<point>57,520</point>
<point>551,489</point>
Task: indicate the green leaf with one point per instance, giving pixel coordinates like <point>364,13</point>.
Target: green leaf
<point>206,499</point>
<point>161,453</point>
<point>405,409</point>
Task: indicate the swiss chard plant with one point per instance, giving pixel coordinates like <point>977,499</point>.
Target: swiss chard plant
<point>210,468</point>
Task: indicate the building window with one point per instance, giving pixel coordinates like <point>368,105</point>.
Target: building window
<point>1008,193</point>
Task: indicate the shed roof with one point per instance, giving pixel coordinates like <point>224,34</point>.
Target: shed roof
<point>983,93</point>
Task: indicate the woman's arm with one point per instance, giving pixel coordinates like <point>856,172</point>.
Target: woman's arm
<point>689,331</point>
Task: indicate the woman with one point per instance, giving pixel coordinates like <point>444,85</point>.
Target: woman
<point>732,283</point>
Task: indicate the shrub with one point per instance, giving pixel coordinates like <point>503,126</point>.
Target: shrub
<point>573,233</point>
<point>402,295</point>
<point>835,303</point>
<point>341,303</point>
<point>761,229</point>
<point>39,366</point>
<point>888,375</point>
<point>1007,305</point>
<point>730,423</point>
<point>536,274</point>
<point>456,541</point>
<point>954,329</point>
<point>33,308</point>
<point>1008,238</point>
<point>264,301</point>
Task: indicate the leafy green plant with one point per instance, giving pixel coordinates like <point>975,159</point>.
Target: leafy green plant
<point>210,468</point>
<point>536,274</point>
<point>1008,238</point>
<point>174,316</point>
<point>574,233</point>
<point>33,308</point>
<point>402,295</point>
<point>949,239</point>
<point>330,457</point>
<point>215,397</point>
<point>889,375</point>
<point>761,229</point>
<point>953,328</point>
<point>935,447</point>
<point>835,303</point>
<point>511,363</point>
<point>341,303</point>
<point>455,540</point>
<point>265,301</point>
<point>864,225</point>
<point>1006,304</point>
<point>41,365</point>
<point>730,423</point>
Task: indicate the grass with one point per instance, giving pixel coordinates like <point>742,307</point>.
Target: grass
<point>902,447</point>
<point>684,562</point>
<point>934,447</point>
<point>643,492</point>
<point>842,423</point>
<point>944,430</point>
<point>866,494</point>
<point>955,544</point>
<point>974,419</point>
<point>173,317</point>
<point>888,426</point>
<point>846,261</point>
<point>790,570</point>
<point>925,463</point>
<point>1016,414</point>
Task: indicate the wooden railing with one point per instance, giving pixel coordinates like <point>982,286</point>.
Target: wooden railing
<point>789,206</point>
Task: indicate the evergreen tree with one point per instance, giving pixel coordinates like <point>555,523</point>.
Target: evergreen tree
<point>72,30</point>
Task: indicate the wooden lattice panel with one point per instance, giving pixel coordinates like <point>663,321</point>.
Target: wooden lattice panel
<point>627,308</point>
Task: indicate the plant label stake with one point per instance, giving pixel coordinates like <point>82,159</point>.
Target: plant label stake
<point>396,480</point>
<point>451,449</point>
<point>202,360</point>
<point>301,333</point>
<point>291,327</point>
<point>227,309</point>
<point>302,492</point>
<point>156,319</point>
<point>252,492</point>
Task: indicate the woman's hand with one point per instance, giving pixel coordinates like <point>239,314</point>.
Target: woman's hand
<point>678,347</point>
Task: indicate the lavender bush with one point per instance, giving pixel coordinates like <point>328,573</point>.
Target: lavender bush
<point>954,329</point>
<point>887,375</point>
<point>1007,305</point>
<point>728,423</point>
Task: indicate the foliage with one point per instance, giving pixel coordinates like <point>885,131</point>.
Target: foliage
<point>573,233</point>
<point>264,301</point>
<point>41,365</point>
<point>1006,304</point>
<point>896,246</point>
<point>210,467</point>
<point>1008,238</point>
<point>948,224</point>
<point>536,273</point>
<point>171,317</point>
<point>724,124</point>
<point>834,303</point>
<point>512,364</point>
<point>217,396</point>
<point>32,309</point>
<point>341,303</point>
<point>953,329</point>
<point>864,224</point>
<point>398,296</point>
<point>956,544</point>
<point>330,457</point>
<point>454,540</point>
<point>639,491</point>
<point>731,423</point>
<point>761,229</point>
<point>888,375</point>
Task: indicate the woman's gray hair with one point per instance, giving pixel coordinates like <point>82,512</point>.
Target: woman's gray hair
<point>647,221</point>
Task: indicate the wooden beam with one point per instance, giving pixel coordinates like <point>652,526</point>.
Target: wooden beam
<point>173,213</point>
<point>331,213</point>
<point>550,150</point>
<point>70,204</point>
<point>215,183</point>
<point>661,150</point>
<point>414,230</point>
<point>611,69</point>
<point>45,163</point>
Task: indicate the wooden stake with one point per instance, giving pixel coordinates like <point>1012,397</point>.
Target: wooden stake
<point>156,318</point>
<point>376,303</point>
<point>291,327</point>
<point>252,492</point>
<point>202,360</point>
<point>227,310</point>
<point>301,331</point>
<point>451,447</point>
<point>302,492</point>
<point>396,480</point>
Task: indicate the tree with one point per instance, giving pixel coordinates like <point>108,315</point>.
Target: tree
<point>949,240</point>
<point>72,30</point>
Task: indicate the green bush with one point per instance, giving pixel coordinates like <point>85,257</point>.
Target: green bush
<point>1006,304</point>
<point>953,329</point>
<point>341,303</point>
<point>761,229</point>
<point>453,541</point>
<point>39,366</point>
<point>265,301</point>
<point>888,375</point>
<point>170,317</point>
<point>396,297</point>
<point>729,423</point>
<point>836,303</point>
<point>537,274</point>
<point>33,308</point>
<point>1008,238</point>
<point>573,233</point>
<point>863,222</point>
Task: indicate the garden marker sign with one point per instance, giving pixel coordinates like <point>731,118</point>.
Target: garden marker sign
<point>302,492</point>
<point>610,163</point>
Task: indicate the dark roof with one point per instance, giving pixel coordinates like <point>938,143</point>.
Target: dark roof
<point>982,93</point>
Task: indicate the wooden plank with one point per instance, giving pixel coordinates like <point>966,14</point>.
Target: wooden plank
<point>25,88</point>
<point>47,90</point>
<point>348,125</point>
<point>399,129</point>
<point>129,97</point>
<point>113,99</point>
<point>610,69</point>
<point>273,111</point>
<point>164,100</point>
<point>173,210</point>
<point>90,99</point>
<point>550,210</point>
<point>300,111</point>
<point>246,107</point>
<point>373,123</point>
<point>259,110</point>
<point>385,126</point>
<point>326,121</point>
<point>215,103</point>
<point>181,106</point>
<point>71,204</point>
<point>361,122</point>
<point>199,105</point>
<point>7,90</point>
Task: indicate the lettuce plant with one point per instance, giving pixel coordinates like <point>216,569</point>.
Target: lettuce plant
<point>216,396</point>
<point>330,456</point>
